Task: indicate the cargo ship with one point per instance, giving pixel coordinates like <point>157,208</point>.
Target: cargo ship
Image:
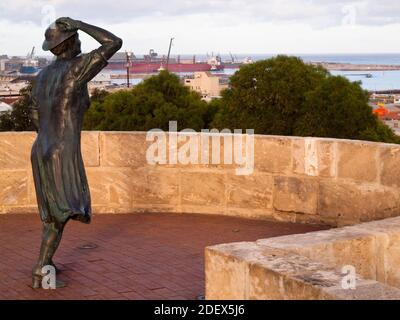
<point>235,63</point>
<point>152,63</point>
<point>30,65</point>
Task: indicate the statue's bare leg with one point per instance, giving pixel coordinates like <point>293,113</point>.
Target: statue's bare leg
<point>51,237</point>
<point>56,245</point>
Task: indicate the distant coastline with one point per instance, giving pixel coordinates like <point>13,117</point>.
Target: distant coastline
<point>356,67</point>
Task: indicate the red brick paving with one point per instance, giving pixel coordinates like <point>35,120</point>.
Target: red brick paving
<point>138,256</point>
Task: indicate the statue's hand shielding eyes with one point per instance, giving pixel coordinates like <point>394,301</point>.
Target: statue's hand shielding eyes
<point>68,24</point>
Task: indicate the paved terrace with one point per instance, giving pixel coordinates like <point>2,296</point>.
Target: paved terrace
<point>141,256</point>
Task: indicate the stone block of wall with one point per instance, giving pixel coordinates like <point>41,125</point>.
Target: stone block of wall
<point>273,154</point>
<point>339,247</point>
<point>389,164</point>
<point>350,203</point>
<point>123,149</point>
<point>203,188</point>
<point>15,150</point>
<point>155,186</point>
<point>249,192</point>
<point>90,148</point>
<point>372,248</point>
<point>252,272</point>
<point>296,195</point>
<point>358,161</point>
<point>226,276</point>
<point>13,188</point>
<point>314,157</point>
<point>110,189</point>
<point>309,266</point>
<point>387,234</point>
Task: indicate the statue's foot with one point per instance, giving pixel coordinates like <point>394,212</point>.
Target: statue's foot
<point>37,278</point>
<point>36,282</point>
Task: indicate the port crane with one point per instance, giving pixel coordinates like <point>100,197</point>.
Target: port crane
<point>31,55</point>
<point>169,50</point>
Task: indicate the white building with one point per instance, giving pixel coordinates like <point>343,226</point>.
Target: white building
<point>207,84</point>
<point>10,88</point>
<point>102,78</point>
<point>3,64</point>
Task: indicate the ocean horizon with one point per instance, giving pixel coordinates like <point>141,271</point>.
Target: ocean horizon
<point>354,58</point>
<point>381,80</point>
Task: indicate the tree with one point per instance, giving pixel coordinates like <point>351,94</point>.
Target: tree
<point>95,115</point>
<point>5,121</point>
<point>19,118</point>
<point>339,108</point>
<point>99,95</point>
<point>285,96</point>
<point>379,132</point>
<point>151,104</point>
<point>268,96</point>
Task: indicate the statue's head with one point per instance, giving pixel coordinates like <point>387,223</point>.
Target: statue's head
<point>61,42</point>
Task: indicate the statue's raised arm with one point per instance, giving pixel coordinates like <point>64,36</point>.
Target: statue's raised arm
<point>86,66</point>
<point>110,43</point>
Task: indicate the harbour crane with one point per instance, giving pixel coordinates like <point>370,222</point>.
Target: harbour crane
<point>232,57</point>
<point>169,51</point>
<point>31,55</point>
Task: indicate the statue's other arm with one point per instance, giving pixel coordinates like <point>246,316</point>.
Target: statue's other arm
<point>34,111</point>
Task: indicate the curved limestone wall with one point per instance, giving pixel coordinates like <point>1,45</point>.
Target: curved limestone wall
<point>328,181</point>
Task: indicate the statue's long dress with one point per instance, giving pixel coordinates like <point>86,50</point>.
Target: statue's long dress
<point>61,96</point>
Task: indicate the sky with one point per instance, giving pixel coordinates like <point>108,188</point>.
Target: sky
<point>219,26</point>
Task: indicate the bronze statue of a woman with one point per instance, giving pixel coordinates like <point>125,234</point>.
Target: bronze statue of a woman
<point>60,98</point>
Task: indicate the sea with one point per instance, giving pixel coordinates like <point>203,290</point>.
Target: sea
<point>381,80</point>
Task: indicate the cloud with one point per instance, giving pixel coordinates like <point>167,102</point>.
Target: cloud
<point>241,26</point>
<point>316,13</point>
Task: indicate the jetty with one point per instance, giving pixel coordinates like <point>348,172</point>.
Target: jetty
<point>356,67</point>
